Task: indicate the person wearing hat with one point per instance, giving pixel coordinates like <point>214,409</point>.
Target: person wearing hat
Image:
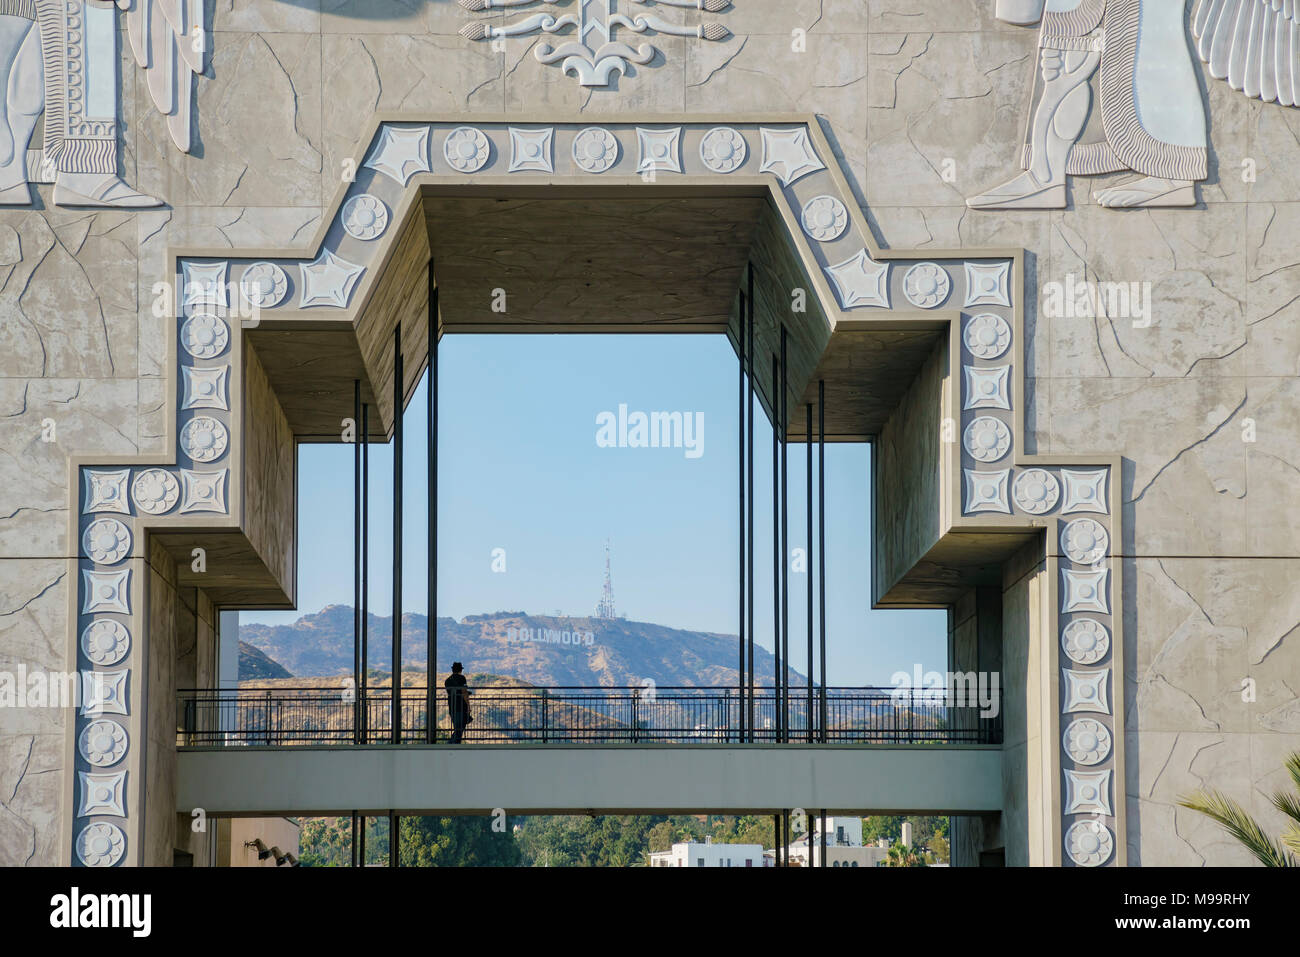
<point>457,701</point>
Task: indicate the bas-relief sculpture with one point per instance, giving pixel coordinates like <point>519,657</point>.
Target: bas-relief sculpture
<point>80,158</point>
<point>1153,121</point>
<point>592,51</point>
<point>58,58</point>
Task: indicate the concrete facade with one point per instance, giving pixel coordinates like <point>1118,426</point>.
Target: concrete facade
<point>907,108</point>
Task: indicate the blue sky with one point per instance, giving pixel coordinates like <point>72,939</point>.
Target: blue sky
<point>521,470</point>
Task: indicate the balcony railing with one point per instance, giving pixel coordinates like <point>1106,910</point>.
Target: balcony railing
<point>507,714</point>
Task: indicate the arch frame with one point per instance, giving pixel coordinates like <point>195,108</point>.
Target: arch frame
<point>336,293</point>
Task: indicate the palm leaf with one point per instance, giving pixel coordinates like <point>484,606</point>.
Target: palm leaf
<point>1293,766</point>
<point>1240,825</point>
<point>1291,837</point>
<point>1288,804</point>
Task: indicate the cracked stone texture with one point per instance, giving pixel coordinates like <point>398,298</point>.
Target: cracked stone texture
<point>208,227</point>
<point>899,87</point>
<point>33,617</point>
<point>86,416</point>
<point>258,130</point>
<point>1212,659</point>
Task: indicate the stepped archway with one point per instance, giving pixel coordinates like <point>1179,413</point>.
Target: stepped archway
<point>630,225</point>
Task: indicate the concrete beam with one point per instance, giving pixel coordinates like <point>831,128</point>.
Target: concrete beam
<point>558,779</point>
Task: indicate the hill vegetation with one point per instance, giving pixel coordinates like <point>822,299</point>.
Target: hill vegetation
<point>537,649</point>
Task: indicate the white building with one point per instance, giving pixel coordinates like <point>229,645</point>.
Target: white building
<point>844,847</point>
<point>708,854</point>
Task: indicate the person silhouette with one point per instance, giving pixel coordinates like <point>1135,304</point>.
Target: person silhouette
<point>457,701</point>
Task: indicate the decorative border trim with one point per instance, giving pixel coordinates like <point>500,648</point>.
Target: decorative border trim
<point>849,272</point>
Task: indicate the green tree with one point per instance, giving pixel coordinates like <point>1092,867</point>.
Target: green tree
<point>924,828</point>
<point>1233,818</point>
<point>900,856</point>
<point>939,848</point>
<point>460,841</point>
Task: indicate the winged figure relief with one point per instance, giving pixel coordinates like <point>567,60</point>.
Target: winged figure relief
<point>59,73</point>
<point>1152,118</point>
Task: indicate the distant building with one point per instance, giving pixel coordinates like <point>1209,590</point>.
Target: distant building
<point>708,854</point>
<point>844,847</point>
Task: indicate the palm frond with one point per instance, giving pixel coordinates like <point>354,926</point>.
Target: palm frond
<point>1291,837</point>
<point>1288,804</point>
<point>1230,815</point>
<point>1293,766</point>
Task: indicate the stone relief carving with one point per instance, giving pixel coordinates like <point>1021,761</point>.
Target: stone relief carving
<point>1252,45</point>
<point>926,285</point>
<point>592,52</point>
<point>988,284</point>
<point>1036,491</point>
<point>723,149</point>
<point>265,285</point>
<point>531,150</point>
<point>825,218</point>
<point>986,336</point>
<point>1085,541</point>
<point>155,491</point>
<point>205,388</point>
<point>365,217</point>
<point>400,152</point>
<point>987,439</point>
<point>1153,118</point>
<point>102,743</point>
<point>328,281</point>
<point>100,844</point>
<point>1084,591</point>
<point>105,592</point>
<point>102,793</point>
<point>1087,792</point>
<point>659,150</point>
<point>789,154</point>
<point>987,491</point>
<point>1089,843</point>
<point>58,59</point>
<point>1085,691</point>
<point>106,541</point>
<point>1085,641</point>
<point>106,491</point>
<point>105,641</point>
<point>987,388</point>
<point>1084,491</point>
<point>595,150</point>
<point>204,283</point>
<point>105,692</point>
<point>466,149</point>
<point>204,439</point>
<point>860,281</point>
<point>203,491</point>
<point>1087,741</point>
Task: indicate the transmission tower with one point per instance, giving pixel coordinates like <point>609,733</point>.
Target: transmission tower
<point>605,607</point>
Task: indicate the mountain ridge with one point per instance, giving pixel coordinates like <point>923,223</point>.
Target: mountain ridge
<point>543,650</point>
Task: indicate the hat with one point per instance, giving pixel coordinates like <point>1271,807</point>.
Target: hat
<point>456,666</point>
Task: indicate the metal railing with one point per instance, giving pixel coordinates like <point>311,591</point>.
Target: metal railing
<point>507,714</point>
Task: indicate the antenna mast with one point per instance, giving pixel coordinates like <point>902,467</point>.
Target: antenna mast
<point>605,607</point>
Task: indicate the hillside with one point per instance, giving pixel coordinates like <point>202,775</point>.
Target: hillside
<point>256,664</point>
<point>619,653</point>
